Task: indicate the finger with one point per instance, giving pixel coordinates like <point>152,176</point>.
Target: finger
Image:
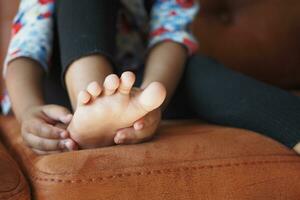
<point>39,152</point>
<point>142,129</point>
<point>146,121</point>
<point>65,134</point>
<point>46,130</point>
<point>138,125</point>
<point>44,144</point>
<point>125,136</point>
<point>132,136</point>
<point>58,113</point>
<point>61,126</point>
<point>71,145</point>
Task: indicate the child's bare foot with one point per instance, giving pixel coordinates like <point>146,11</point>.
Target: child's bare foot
<point>101,111</point>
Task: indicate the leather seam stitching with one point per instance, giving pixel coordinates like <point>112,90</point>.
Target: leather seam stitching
<point>161,171</point>
<point>32,167</point>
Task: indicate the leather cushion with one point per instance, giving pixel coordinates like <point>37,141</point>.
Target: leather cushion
<point>257,37</point>
<point>12,183</point>
<point>186,160</point>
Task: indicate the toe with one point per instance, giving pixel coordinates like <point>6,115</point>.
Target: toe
<point>127,81</point>
<point>152,97</point>
<point>111,83</point>
<point>94,89</point>
<point>83,98</point>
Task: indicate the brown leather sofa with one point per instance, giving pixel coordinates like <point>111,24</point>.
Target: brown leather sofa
<point>12,183</point>
<point>186,159</point>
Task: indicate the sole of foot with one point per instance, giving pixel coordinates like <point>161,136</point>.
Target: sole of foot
<point>104,109</point>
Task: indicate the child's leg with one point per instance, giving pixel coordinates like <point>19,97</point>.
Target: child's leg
<point>85,29</point>
<point>220,95</point>
<point>100,108</point>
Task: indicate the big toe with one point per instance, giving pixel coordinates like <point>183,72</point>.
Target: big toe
<point>111,84</point>
<point>152,97</point>
<point>127,81</point>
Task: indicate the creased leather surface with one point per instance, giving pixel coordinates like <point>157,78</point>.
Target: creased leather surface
<point>12,183</point>
<point>187,160</point>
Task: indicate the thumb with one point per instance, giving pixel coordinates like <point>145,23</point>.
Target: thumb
<point>58,113</point>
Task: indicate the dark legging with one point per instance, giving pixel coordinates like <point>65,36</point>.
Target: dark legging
<point>222,96</point>
<point>208,90</point>
<point>86,28</point>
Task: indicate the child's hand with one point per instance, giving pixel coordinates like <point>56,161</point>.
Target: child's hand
<point>142,130</point>
<point>43,129</point>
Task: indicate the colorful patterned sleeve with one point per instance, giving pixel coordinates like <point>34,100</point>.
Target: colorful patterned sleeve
<point>32,32</point>
<point>170,20</point>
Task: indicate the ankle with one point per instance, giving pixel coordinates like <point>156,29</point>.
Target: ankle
<point>84,71</point>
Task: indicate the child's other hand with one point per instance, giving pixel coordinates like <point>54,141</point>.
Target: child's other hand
<point>43,129</point>
<point>142,130</point>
